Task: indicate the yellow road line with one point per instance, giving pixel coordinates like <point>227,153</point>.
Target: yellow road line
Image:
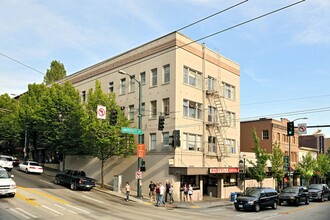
<point>31,202</point>
<point>44,194</point>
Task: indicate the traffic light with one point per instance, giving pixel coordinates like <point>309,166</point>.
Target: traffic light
<point>175,139</point>
<point>143,166</point>
<point>161,123</point>
<point>113,117</point>
<point>290,128</point>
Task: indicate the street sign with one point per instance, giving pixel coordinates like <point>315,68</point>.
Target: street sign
<point>101,112</point>
<point>302,128</point>
<point>131,130</point>
<point>141,150</point>
<point>286,163</point>
<point>138,175</point>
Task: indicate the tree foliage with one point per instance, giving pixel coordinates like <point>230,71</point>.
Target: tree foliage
<point>277,163</point>
<point>55,72</point>
<point>307,167</point>
<point>322,166</point>
<point>258,171</point>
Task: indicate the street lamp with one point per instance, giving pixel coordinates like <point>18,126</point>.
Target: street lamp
<point>139,194</point>
<point>290,152</point>
<point>244,171</point>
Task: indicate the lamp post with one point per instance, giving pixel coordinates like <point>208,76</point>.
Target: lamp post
<point>289,169</point>
<point>244,171</point>
<point>139,193</point>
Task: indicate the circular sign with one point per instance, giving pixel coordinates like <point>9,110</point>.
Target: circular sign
<point>138,175</point>
<point>302,128</point>
<point>101,112</point>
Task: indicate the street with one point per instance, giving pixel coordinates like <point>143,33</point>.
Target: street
<point>39,198</point>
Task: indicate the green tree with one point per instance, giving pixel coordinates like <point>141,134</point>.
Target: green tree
<point>306,167</point>
<point>258,171</point>
<point>103,140</point>
<point>55,72</point>
<point>322,166</point>
<point>277,164</point>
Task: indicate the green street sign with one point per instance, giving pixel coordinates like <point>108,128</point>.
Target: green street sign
<point>131,130</point>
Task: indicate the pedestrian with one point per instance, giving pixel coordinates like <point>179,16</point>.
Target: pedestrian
<point>167,186</point>
<point>157,194</point>
<point>190,193</point>
<point>152,187</point>
<point>185,192</point>
<point>128,190</point>
<point>161,194</point>
<point>171,194</point>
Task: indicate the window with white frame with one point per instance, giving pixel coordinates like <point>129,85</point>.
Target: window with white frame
<point>192,77</point>
<point>131,87</point>
<point>131,113</point>
<point>191,142</point>
<point>154,77</point>
<point>153,141</point>
<point>166,73</point>
<point>192,109</point>
<point>111,87</point>
<point>166,140</point>
<point>143,78</point>
<point>230,146</point>
<point>153,105</point>
<point>166,106</point>
<point>212,113</point>
<point>211,83</point>
<point>228,91</point>
<point>212,144</point>
<point>123,86</point>
<point>231,118</point>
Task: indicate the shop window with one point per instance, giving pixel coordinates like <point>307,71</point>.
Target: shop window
<point>230,179</point>
<point>190,179</point>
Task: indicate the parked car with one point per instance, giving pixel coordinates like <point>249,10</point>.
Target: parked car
<point>7,185</point>
<point>319,192</point>
<point>256,198</point>
<point>6,162</point>
<point>30,167</point>
<point>77,179</point>
<point>14,160</point>
<point>294,195</point>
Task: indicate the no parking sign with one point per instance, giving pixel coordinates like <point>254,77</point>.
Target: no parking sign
<point>302,128</point>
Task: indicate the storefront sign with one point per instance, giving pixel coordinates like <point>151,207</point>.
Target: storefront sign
<point>224,170</point>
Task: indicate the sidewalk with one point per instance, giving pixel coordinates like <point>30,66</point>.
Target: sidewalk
<point>208,202</point>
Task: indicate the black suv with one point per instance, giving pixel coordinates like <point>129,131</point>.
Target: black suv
<point>256,198</point>
<point>319,192</point>
<point>294,195</point>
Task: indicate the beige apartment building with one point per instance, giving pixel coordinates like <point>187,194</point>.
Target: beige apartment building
<point>198,92</point>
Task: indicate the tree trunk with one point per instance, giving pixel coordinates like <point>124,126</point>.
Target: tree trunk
<point>102,176</point>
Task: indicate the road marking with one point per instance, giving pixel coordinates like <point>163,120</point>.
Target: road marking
<point>46,207</point>
<point>195,207</point>
<point>296,209</point>
<point>271,216</point>
<point>93,199</point>
<point>30,201</point>
<point>18,213</point>
<point>78,208</point>
<point>26,213</point>
<point>44,194</point>
<point>244,214</point>
<point>66,209</point>
<point>46,182</point>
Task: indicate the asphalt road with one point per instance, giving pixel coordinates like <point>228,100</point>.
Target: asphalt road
<point>39,198</point>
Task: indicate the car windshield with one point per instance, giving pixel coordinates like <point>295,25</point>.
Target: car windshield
<point>291,190</point>
<point>252,192</point>
<point>34,164</point>
<point>315,186</point>
<point>4,174</point>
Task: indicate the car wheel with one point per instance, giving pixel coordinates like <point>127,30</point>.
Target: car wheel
<point>26,171</point>
<point>274,205</point>
<point>279,202</point>
<point>297,202</point>
<point>73,186</point>
<point>257,207</point>
<point>322,198</point>
<point>307,200</point>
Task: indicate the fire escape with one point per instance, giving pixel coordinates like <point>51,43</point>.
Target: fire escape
<point>219,123</point>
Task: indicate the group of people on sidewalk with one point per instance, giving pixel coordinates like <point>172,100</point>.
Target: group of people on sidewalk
<point>160,194</point>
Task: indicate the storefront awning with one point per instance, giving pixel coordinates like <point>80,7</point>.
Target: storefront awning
<point>189,170</point>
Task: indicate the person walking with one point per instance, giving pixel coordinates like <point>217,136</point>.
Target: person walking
<point>171,194</point>
<point>167,186</point>
<point>161,194</point>
<point>185,192</point>
<point>152,187</point>
<point>128,190</point>
<point>157,194</point>
<point>190,193</point>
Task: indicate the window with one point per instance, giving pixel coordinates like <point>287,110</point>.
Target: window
<point>265,135</point>
<point>228,91</point>
<point>83,96</point>
<point>153,109</point>
<point>191,142</point>
<point>154,77</point>
<point>212,112</point>
<point>212,144</point>
<point>211,83</point>
<point>192,109</point>
<point>230,179</point>
<point>122,86</point>
<point>230,146</point>
<point>166,105</point>
<point>131,87</point>
<point>192,77</point>
<point>194,180</point>
<point>131,113</point>
<point>166,73</point>
<point>166,140</point>
<point>153,141</point>
<point>111,87</point>
<point>143,78</point>
<point>231,118</point>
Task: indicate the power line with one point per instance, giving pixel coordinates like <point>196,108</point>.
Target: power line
<point>21,63</point>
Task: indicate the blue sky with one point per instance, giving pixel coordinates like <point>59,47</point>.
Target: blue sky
<point>284,57</point>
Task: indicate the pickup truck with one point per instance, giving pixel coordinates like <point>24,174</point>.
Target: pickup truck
<point>77,179</point>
